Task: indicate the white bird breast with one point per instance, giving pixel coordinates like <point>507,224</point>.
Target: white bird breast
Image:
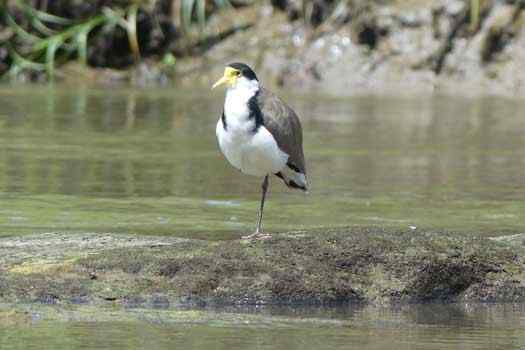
<point>252,153</point>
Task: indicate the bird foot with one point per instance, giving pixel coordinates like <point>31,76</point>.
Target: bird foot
<point>257,236</point>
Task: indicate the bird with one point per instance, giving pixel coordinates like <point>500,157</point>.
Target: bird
<point>259,134</point>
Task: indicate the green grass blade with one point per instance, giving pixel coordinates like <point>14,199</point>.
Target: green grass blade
<point>21,32</point>
<point>131,29</point>
<point>50,55</point>
<point>81,40</point>
<point>113,16</point>
<point>474,14</point>
<point>44,16</point>
<point>201,12</point>
<point>52,18</point>
<point>24,63</point>
<point>68,34</point>
<point>41,27</point>
<point>187,12</point>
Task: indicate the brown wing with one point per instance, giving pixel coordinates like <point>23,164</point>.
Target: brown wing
<point>282,122</point>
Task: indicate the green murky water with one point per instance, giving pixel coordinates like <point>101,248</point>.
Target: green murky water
<point>428,327</point>
<point>146,161</point>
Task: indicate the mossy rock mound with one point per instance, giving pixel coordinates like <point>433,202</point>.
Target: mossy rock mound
<point>323,267</point>
<point>363,266</point>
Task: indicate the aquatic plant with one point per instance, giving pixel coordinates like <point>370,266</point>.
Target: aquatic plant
<point>29,50</point>
<point>37,40</point>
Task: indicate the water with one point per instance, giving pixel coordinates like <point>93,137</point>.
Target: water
<point>146,161</point>
<point>466,327</point>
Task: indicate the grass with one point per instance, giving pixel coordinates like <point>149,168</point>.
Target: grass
<point>42,52</point>
<point>38,41</point>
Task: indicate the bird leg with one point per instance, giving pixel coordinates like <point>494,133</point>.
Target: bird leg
<point>258,230</point>
<point>264,190</point>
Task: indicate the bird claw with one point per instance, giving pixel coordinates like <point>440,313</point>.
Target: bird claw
<point>257,236</point>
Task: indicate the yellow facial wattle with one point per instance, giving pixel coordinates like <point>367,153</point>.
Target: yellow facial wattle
<point>230,77</point>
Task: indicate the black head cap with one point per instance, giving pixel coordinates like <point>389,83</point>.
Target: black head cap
<point>245,70</point>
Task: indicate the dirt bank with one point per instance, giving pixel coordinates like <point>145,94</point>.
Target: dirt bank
<point>386,47</point>
<point>352,47</point>
<point>344,266</point>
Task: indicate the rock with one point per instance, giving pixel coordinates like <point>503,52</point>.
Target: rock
<point>368,266</point>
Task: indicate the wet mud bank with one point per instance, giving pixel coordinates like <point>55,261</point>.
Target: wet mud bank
<point>343,266</point>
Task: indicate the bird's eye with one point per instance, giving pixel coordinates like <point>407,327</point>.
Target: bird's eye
<point>237,73</point>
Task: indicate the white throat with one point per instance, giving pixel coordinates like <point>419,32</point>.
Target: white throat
<point>237,97</point>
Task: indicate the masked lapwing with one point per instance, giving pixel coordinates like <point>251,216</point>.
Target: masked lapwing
<point>259,134</point>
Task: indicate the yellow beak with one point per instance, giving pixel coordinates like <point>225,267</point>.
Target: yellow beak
<point>221,81</point>
<point>229,77</point>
